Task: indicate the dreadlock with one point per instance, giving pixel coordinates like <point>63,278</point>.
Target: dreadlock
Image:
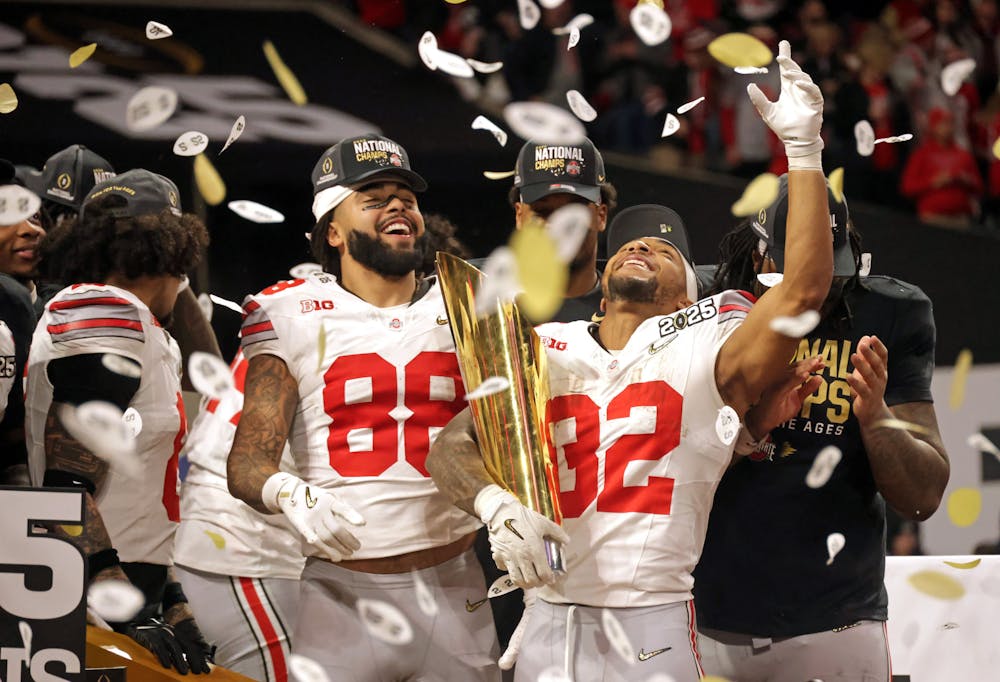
<point>737,269</point>
<point>736,264</point>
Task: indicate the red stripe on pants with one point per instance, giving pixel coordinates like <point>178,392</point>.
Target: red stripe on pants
<point>266,629</point>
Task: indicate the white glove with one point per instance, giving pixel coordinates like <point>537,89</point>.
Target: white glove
<point>797,116</point>
<point>318,514</point>
<point>516,536</point>
<point>509,657</point>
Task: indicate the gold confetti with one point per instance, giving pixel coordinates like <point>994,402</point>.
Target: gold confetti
<point>209,182</point>
<point>454,2</point>
<point>81,55</point>
<point>902,425</point>
<point>74,530</point>
<point>964,505</point>
<point>658,3</point>
<point>964,565</point>
<point>284,75</point>
<point>321,347</point>
<point>937,584</point>
<point>8,100</point>
<point>963,363</point>
<point>836,180</point>
<point>498,175</point>
<point>758,195</point>
<point>740,49</point>
<point>996,149</point>
<point>217,540</point>
<point>542,274</point>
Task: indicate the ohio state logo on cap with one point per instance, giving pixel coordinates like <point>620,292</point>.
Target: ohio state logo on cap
<point>573,168</point>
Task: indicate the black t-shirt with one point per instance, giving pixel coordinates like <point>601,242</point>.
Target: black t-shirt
<point>581,307</point>
<point>17,312</point>
<point>764,567</point>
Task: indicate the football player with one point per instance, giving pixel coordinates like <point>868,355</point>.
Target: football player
<point>240,568</point>
<point>356,368</point>
<point>783,612</point>
<point>644,412</point>
<point>101,340</point>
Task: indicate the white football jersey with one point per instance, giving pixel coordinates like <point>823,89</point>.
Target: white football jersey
<point>639,454</point>
<point>8,370</point>
<point>140,514</point>
<point>218,533</point>
<point>375,387</point>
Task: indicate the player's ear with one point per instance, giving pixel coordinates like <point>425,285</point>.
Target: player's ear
<point>602,216</point>
<point>336,235</point>
<point>604,305</point>
<point>522,212</point>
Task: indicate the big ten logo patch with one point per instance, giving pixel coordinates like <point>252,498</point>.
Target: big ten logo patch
<point>312,305</point>
<point>554,344</point>
<point>832,400</point>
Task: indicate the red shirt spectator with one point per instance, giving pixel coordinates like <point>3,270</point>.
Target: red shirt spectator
<point>941,176</point>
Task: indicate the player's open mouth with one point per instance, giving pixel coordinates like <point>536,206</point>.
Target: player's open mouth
<point>636,261</point>
<point>399,229</point>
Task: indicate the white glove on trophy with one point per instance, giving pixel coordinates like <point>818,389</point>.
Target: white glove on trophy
<point>516,536</point>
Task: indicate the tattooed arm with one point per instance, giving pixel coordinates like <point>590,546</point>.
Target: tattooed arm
<point>456,464</point>
<point>64,453</point>
<point>270,397</point>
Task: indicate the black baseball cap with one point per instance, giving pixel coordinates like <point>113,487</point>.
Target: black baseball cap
<point>770,224</point>
<point>143,193</point>
<point>543,169</point>
<point>648,220</point>
<point>355,159</point>
<point>8,174</point>
<point>69,175</point>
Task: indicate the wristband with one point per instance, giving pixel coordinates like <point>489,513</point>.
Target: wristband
<point>811,161</point>
<point>98,561</point>
<point>746,443</point>
<point>173,594</point>
<point>271,491</point>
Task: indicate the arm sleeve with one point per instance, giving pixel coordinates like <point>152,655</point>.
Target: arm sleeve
<point>77,379</point>
<point>911,352</point>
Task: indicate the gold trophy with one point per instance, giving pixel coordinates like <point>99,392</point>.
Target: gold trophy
<point>510,424</point>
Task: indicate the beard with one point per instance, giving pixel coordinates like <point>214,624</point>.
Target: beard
<point>379,257</point>
<point>632,289</point>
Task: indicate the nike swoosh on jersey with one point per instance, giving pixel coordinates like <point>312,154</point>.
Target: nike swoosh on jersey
<point>310,500</point>
<point>657,347</point>
<point>472,606</point>
<point>509,525</point>
<point>645,656</point>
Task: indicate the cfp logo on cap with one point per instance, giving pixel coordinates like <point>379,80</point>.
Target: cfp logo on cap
<point>172,197</point>
<point>762,216</point>
<point>64,181</point>
<point>327,164</point>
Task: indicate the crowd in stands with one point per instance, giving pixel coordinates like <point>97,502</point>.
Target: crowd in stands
<point>878,61</point>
